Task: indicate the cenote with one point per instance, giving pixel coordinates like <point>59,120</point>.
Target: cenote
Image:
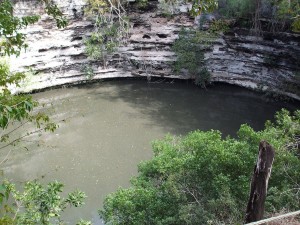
<point>106,129</point>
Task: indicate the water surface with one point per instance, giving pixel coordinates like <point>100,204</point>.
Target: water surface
<point>106,129</point>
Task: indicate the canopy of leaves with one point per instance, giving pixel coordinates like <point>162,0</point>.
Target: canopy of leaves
<point>190,48</point>
<point>110,28</point>
<point>12,40</point>
<point>203,178</point>
<point>203,6</point>
<point>37,204</point>
<point>277,15</point>
<point>289,10</point>
<point>19,108</point>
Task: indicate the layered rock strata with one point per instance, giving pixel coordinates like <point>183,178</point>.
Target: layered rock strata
<point>57,56</point>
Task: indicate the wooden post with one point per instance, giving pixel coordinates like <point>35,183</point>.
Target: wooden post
<point>259,183</point>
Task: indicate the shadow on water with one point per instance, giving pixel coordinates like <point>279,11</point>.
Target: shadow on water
<point>182,107</point>
<point>109,127</point>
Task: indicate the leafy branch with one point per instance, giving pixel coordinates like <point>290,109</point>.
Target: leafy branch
<point>110,28</point>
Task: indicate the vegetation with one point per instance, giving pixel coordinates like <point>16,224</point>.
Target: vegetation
<point>203,6</point>
<point>270,15</point>
<point>288,10</point>
<point>12,40</point>
<point>203,178</point>
<point>237,8</point>
<point>35,205</point>
<point>88,71</point>
<point>142,4</point>
<point>110,28</point>
<point>168,8</point>
<point>190,48</point>
<point>17,110</point>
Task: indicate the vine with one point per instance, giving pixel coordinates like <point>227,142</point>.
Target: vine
<point>110,28</point>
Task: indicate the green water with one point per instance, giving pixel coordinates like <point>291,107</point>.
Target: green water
<point>106,129</point>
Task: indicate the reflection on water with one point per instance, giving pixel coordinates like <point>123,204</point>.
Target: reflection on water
<point>108,129</point>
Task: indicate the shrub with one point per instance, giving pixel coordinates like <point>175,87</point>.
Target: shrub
<point>237,8</point>
<point>189,48</point>
<point>203,178</point>
<point>36,204</point>
<point>168,8</point>
<point>110,28</point>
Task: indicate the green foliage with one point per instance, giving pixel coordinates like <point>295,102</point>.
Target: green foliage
<point>168,8</point>
<point>237,8</point>
<point>286,8</point>
<point>189,48</point>
<point>202,6</point>
<point>281,12</point>
<point>142,4</point>
<point>218,26</point>
<point>296,24</point>
<point>289,10</point>
<point>52,10</point>
<point>110,28</point>
<point>11,41</point>
<point>82,222</point>
<point>88,71</point>
<point>202,78</point>
<point>203,178</point>
<point>103,42</point>
<point>17,110</point>
<point>36,204</point>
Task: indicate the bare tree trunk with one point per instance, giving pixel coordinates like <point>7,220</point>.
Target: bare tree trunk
<point>259,183</point>
<point>257,24</point>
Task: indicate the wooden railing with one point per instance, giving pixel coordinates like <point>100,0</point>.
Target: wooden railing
<point>275,218</point>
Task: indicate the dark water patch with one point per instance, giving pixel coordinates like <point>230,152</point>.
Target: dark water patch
<point>109,127</point>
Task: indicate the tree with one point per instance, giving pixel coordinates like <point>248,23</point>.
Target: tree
<point>36,205</point>
<point>17,110</point>
<point>257,24</point>
<point>110,28</point>
<point>203,178</point>
<point>203,6</point>
<point>289,10</point>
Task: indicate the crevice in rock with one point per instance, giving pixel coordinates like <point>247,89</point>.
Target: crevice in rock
<point>76,38</point>
<point>146,36</point>
<point>43,50</point>
<point>162,35</point>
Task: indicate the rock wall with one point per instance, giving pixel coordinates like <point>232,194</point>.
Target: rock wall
<point>57,57</point>
<point>267,63</point>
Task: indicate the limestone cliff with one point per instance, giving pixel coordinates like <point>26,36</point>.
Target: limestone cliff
<point>56,56</point>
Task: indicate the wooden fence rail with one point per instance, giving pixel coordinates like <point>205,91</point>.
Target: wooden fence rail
<point>275,218</point>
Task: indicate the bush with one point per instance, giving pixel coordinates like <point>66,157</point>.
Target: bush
<point>203,178</point>
<point>36,204</point>
<point>237,8</point>
<point>110,28</point>
<point>168,8</point>
<point>189,48</point>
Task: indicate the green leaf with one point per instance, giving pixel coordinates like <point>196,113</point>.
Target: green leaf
<point>9,109</point>
<point>1,198</point>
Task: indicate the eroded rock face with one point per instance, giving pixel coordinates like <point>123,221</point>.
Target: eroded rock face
<point>269,63</point>
<point>57,57</point>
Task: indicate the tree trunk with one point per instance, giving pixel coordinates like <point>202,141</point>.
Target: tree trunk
<point>259,183</point>
<point>257,24</point>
